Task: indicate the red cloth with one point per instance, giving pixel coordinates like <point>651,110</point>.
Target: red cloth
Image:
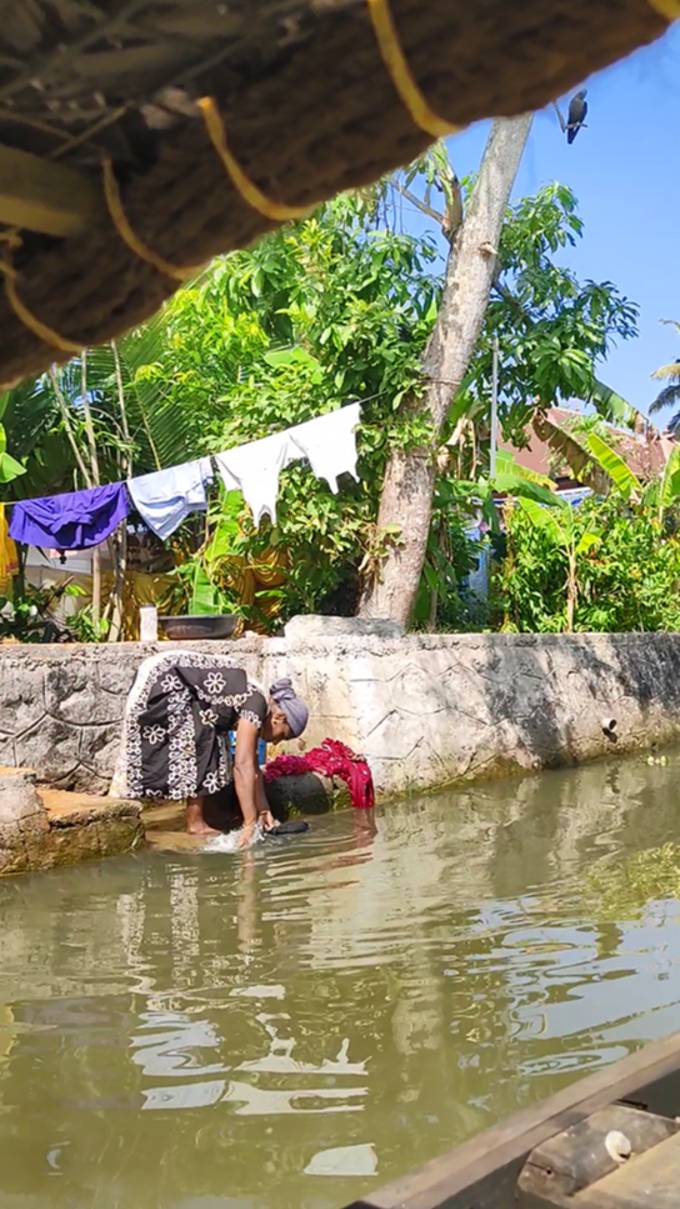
<point>332,759</point>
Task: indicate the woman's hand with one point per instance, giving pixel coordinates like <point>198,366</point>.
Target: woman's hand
<point>266,818</point>
<point>246,834</point>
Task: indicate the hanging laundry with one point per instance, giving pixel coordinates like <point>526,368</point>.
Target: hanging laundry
<point>72,521</point>
<point>329,442</point>
<point>9,563</point>
<point>332,759</point>
<point>254,470</point>
<point>165,498</point>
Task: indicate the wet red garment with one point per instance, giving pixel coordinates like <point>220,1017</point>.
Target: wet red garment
<point>332,759</point>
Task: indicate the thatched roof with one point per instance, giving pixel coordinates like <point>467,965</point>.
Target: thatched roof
<point>306,101</point>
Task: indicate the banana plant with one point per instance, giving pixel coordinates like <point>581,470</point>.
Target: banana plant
<point>592,460</point>
<point>669,487</point>
<point>559,521</point>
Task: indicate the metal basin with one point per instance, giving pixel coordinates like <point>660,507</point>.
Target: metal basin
<point>182,629</point>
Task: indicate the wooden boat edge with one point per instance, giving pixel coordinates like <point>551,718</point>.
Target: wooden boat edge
<point>482,1173</point>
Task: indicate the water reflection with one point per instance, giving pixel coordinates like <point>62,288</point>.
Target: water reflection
<point>201,1030</point>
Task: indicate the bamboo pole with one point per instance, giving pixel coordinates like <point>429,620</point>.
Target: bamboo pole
<point>119,538</point>
<point>96,482</point>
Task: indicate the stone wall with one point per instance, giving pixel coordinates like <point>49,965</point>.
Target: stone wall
<point>427,710</point>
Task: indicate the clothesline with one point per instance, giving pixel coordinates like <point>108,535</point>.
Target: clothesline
<point>77,520</point>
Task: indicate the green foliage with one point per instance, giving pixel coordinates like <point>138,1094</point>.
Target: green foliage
<point>516,480</point>
<point>627,566</point>
<point>453,554</point>
<point>24,616</point>
<point>85,628</point>
<point>620,474</point>
<point>312,316</point>
<point>553,329</point>
<point>335,308</point>
<point>9,467</point>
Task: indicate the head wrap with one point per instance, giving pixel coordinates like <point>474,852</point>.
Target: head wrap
<point>297,714</point>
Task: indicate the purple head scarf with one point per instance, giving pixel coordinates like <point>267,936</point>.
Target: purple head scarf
<point>297,714</point>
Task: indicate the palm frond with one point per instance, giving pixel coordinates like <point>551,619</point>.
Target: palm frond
<point>668,397</point>
<point>163,433</point>
<point>667,373</point>
<point>671,371</point>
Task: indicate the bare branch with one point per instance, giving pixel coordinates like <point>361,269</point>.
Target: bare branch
<point>428,211</point>
<point>563,124</point>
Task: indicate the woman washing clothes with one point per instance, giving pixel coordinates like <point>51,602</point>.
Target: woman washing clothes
<point>179,713</point>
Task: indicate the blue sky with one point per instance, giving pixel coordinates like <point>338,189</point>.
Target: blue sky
<point>625,172</point>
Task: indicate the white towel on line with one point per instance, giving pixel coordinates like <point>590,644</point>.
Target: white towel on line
<point>165,497</point>
<point>329,443</point>
<point>254,470</point>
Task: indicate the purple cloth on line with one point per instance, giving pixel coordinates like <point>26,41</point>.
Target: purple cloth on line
<point>72,521</point>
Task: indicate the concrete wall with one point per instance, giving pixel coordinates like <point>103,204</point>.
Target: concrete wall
<point>427,710</point>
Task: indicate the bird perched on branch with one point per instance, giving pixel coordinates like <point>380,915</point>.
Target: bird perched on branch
<point>578,112</point>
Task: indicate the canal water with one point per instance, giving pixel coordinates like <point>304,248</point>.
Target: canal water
<point>290,1027</point>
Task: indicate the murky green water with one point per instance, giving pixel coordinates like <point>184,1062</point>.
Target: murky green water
<point>289,1027</point>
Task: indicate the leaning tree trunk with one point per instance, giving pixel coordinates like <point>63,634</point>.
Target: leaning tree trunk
<point>406,500</point>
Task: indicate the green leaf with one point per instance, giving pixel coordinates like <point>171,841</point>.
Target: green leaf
<point>291,356</point>
<point>9,468</point>
<point>613,464</point>
<point>612,406</point>
<point>204,598</point>
<point>513,479</point>
<point>579,459</point>
<point>670,482</point>
<point>539,516</point>
<point>587,541</point>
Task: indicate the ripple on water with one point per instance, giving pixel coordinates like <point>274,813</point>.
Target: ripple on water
<point>287,1026</point>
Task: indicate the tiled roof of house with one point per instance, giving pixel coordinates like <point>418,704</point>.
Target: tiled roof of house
<point>646,455</point>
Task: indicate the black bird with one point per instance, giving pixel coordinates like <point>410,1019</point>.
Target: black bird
<point>578,112</point>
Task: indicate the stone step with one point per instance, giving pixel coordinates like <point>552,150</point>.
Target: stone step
<point>41,828</point>
<point>66,809</point>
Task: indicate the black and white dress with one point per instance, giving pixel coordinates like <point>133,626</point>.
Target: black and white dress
<point>177,718</point>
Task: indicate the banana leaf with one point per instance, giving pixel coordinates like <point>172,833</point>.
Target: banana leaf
<point>613,465</point>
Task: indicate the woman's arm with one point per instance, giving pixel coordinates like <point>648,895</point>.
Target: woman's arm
<point>246,771</point>
<point>264,813</point>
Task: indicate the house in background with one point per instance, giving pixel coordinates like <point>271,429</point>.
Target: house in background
<point>645,453</point>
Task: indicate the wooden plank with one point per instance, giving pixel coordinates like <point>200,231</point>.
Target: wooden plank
<point>650,1181</point>
<point>39,195</point>
<point>483,1173</point>
<point>577,1160</point>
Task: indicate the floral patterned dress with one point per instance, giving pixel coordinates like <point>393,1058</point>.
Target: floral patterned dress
<point>178,715</point>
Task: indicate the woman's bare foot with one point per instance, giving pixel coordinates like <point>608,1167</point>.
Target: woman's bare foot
<point>196,824</point>
<point>203,831</point>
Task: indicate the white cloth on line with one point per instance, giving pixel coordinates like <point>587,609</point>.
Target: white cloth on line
<point>329,443</point>
<point>165,497</point>
<point>254,469</point>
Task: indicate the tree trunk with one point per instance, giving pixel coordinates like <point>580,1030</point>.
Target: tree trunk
<point>406,499</point>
